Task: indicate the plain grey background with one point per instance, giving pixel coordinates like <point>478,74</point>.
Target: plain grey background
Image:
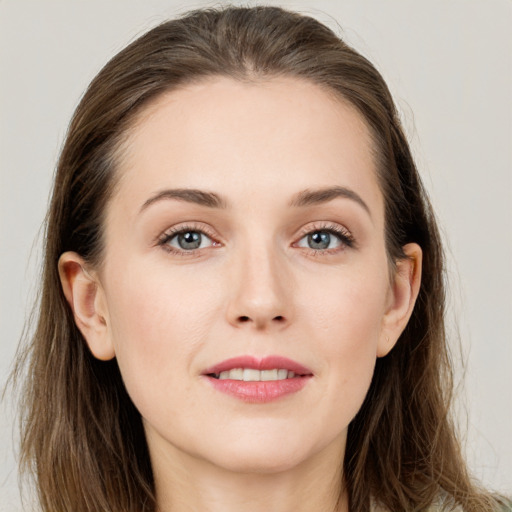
<point>448,64</point>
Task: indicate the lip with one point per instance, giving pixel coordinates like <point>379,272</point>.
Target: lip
<point>265,363</point>
<point>259,391</point>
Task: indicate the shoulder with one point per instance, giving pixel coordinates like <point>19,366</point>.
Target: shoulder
<point>439,507</point>
<point>506,507</point>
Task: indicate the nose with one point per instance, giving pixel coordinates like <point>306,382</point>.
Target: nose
<point>261,291</point>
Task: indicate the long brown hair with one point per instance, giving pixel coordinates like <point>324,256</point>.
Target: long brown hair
<point>81,435</point>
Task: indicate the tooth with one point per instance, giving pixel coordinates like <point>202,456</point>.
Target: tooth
<point>269,375</point>
<point>282,374</point>
<point>251,375</point>
<point>236,374</point>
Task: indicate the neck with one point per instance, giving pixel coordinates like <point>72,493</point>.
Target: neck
<point>186,484</point>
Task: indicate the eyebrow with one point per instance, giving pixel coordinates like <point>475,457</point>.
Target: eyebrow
<point>323,195</point>
<point>304,198</point>
<point>189,195</point>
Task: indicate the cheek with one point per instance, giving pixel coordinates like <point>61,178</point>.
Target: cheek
<point>346,323</point>
<point>347,306</point>
<point>157,329</point>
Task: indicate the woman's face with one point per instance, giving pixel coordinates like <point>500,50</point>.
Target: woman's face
<point>247,223</point>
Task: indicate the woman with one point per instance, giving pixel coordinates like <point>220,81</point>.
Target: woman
<point>243,298</point>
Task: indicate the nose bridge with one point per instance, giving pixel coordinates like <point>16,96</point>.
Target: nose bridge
<point>261,286</point>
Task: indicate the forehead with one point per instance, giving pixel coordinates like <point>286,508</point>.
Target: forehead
<point>273,136</point>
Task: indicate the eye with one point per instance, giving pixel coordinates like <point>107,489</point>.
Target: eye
<point>326,239</point>
<point>322,240</point>
<point>190,240</point>
<point>186,240</point>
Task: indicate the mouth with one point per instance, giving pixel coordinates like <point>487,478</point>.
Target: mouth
<point>252,375</point>
<point>254,369</point>
<point>258,380</point>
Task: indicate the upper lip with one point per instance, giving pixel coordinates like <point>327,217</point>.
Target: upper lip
<point>265,363</point>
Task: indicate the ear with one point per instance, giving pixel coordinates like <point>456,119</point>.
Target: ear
<point>87,301</point>
<point>402,297</point>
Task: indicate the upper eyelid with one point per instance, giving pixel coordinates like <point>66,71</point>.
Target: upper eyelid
<point>342,232</point>
<point>183,228</point>
<point>162,241</point>
<point>324,226</point>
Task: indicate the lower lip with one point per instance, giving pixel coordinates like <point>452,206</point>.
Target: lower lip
<point>259,391</point>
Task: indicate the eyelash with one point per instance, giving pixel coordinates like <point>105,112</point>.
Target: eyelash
<point>167,236</point>
<point>344,236</point>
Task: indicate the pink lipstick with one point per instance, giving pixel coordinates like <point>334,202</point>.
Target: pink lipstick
<point>258,380</point>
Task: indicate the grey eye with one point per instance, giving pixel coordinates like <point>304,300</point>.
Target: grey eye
<point>190,240</point>
<point>320,240</point>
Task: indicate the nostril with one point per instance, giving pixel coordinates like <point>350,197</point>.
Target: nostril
<point>244,319</point>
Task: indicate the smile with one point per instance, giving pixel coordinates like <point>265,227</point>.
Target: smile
<point>255,380</point>
<point>252,375</point>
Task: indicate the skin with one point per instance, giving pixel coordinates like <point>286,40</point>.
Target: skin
<point>255,287</point>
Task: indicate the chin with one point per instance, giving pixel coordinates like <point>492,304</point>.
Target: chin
<point>261,454</point>
<point>263,463</point>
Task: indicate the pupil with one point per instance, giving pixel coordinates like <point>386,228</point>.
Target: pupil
<point>319,240</point>
<point>189,240</point>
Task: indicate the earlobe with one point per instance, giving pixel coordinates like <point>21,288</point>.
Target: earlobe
<point>403,294</point>
<point>86,299</point>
